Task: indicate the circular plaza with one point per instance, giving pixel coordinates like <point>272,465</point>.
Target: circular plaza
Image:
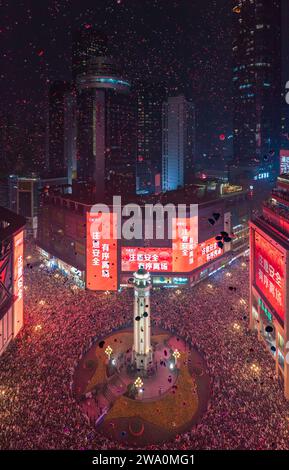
<point>134,409</point>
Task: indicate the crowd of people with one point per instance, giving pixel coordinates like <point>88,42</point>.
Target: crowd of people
<point>247,408</point>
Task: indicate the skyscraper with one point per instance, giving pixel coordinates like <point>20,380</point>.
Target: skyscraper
<point>62,129</point>
<point>88,42</point>
<point>178,142</point>
<point>150,97</point>
<point>106,127</point>
<point>257,81</point>
<point>285,74</point>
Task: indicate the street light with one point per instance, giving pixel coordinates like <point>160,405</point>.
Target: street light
<point>108,351</point>
<point>176,354</point>
<point>138,383</point>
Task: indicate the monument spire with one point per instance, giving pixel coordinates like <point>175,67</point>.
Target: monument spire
<point>142,354</point>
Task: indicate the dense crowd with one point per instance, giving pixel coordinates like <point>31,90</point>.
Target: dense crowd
<point>247,409</point>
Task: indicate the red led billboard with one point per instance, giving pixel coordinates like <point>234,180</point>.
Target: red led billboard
<point>269,272</point>
<point>184,244</point>
<point>18,282</point>
<point>152,259</point>
<point>207,251</point>
<point>101,252</point>
<point>161,260</point>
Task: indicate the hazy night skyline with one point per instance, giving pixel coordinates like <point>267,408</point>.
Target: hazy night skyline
<point>186,43</point>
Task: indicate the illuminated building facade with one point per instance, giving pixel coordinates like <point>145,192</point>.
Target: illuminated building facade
<point>269,301</point>
<point>178,142</point>
<point>62,130</point>
<point>285,75</point>
<point>11,276</point>
<point>68,235</point>
<point>150,98</point>
<point>257,81</point>
<point>284,162</point>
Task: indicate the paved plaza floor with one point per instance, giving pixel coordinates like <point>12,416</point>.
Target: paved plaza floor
<point>171,400</point>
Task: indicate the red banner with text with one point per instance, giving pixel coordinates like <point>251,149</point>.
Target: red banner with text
<point>101,252</point>
<point>269,273</point>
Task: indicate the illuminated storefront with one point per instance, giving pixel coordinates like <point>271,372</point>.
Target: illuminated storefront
<point>268,305</point>
<point>186,252</point>
<point>11,276</point>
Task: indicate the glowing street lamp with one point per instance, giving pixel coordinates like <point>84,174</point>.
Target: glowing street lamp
<point>108,351</point>
<point>256,369</point>
<point>176,354</point>
<point>236,327</point>
<point>138,383</point>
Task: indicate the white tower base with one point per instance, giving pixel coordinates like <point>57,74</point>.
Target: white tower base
<point>142,353</point>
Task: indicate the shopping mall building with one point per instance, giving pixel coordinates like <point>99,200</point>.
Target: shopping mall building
<point>269,304</point>
<point>67,242</point>
<point>11,276</point>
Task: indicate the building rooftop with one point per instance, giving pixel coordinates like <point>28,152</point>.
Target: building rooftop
<point>10,223</point>
<point>192,194</point>
<point>272,231</point>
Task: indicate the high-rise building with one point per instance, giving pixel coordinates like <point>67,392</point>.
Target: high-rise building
<point>285,75</point>
<point>62,130</point>
<point>23,200</point>
<point>14,144</point>
<point>269,274</point>
<point>257,81</point>
<point>106,127</point>
<point>150,98</point>
<point>178,142</point>
<point>7,137</point>
<point>88,42</point>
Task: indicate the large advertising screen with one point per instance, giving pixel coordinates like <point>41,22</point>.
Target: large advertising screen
<point>182,259</point>
<point>154,260</point>
<point>18,253</point>
<point>207,251</point>
<point>185,240</point>
<point>101,252</point>
<point>269,272</point>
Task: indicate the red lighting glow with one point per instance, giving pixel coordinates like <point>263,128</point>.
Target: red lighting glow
<point>169,260</point>
<point>152,259</point>
<point>101,254</point>
<point>18,282</point>
<point>269,270</point>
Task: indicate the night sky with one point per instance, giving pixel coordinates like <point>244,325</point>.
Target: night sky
<point>186,43</point>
